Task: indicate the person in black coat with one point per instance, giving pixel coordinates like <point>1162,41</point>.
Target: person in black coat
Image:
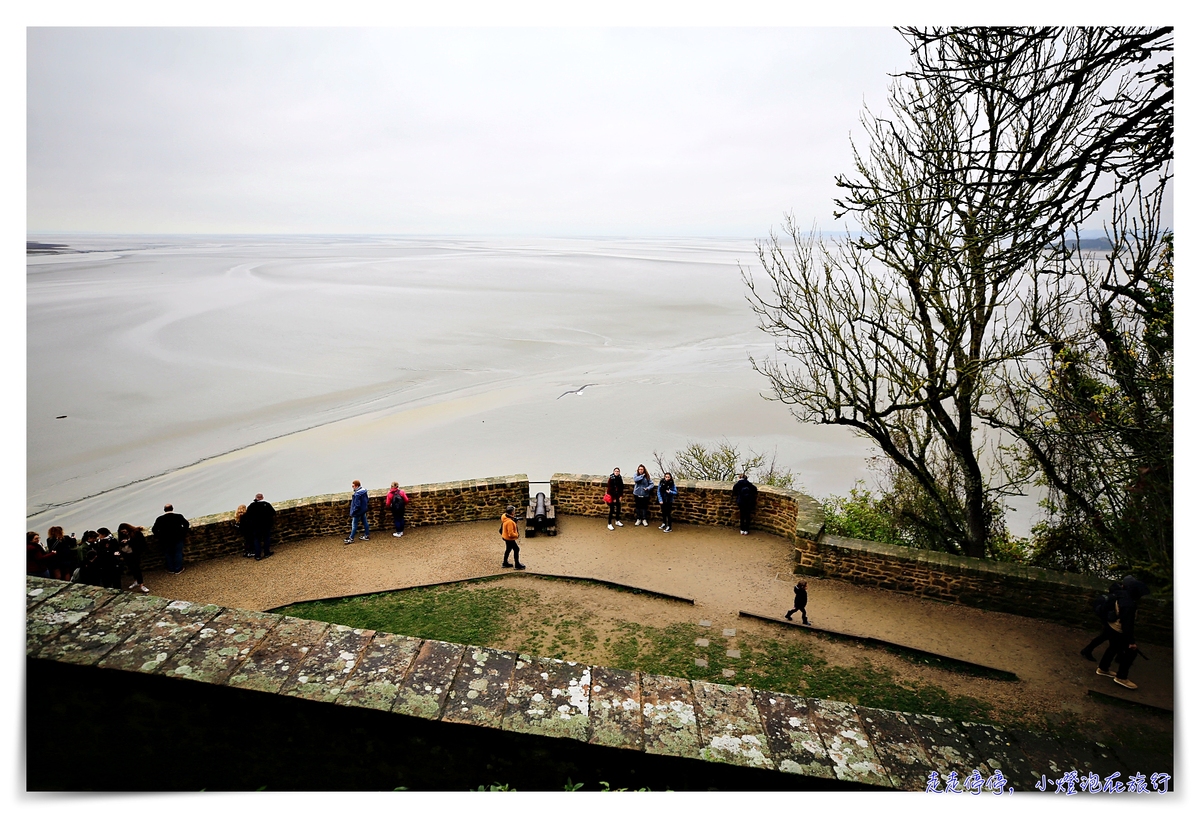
<point>615,488</point>
<point>90,560</point>
<point>800,603</point>
<point>108,559</point>
<point>169,530</point>
<point>745,494</point>
<point>259,520</point>
<point>1122,642</point>
<point>66,549</point>
<point>132,544</point>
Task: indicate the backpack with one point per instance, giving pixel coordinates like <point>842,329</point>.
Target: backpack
<point>749,495</point>
<point>399,499</point>
<point>1105,607</point>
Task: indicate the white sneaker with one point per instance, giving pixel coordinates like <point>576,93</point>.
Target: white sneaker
<point>143,589</point>
<point>397,534</point>
<point>620,523</point>
<point>364,538</point>
<point>662,526</point>
<point>134,585</point>
<point>667,530</point>
<point>610,527</point>
<point>741,532</point>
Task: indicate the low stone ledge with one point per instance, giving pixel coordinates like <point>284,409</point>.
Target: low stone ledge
<point>488,689</point>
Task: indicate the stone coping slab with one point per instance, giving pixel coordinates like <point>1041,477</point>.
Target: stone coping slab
<point>486,688</point>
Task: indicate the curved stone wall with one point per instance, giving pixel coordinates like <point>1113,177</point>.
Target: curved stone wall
<point>783,512</point>
<point>460,501</point>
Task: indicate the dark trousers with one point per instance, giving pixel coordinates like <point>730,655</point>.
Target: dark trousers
<point>746,513</point>
<point>173,554</point>
<point>641,506</point>
<point>398,520</point>
<point>133,564</point>
<point>511,547</point>
<point>614,510</point>
<point>666,514</point>
<point>1118,648</point>
<point>262,544</point>
<point>801,609</point>
<point>1106,634</point>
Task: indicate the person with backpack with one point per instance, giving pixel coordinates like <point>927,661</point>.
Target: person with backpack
<point>745,494</point>
<point>510,534</point>
<point>358,512</point>
<point>1119,610</point>
<point>397,501</point>
<point>642,486</point>
<point>1102,606</point>
<point>666,498</point>
<point>612,496</point>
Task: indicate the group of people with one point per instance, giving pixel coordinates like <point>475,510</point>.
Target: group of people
<point>1117,611</point>
<point>256,522</point>
<point>396,502</point>
<point>99,558</point>
<point>745,496</point>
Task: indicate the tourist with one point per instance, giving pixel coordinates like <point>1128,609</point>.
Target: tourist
<point>745,494</point>
<point>1122,644</point>
<point>169,531</point>
<point>642,484</point>
<point>108,552</point>
<point>612,496</point>
<point>89,568</point>
<point>239,517</point>
<point>510,533</point>
<point>666,498</point>
<point>38,558</point>
<point>132,546</point>
<point>800,603</point>
<point>260,520</point>
<point>67,562</point>
<point>397,501</point>
<point>358,512</point>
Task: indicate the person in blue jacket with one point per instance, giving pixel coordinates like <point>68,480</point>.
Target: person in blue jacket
<point>666,497</point>
<point>358,512</point>
<point>642,486</point>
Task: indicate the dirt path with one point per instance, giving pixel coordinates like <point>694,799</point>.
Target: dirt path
<point>723,571</point>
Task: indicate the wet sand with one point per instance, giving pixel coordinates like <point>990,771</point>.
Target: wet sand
<point>723,571</point>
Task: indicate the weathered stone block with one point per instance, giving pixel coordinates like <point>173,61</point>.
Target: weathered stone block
<point>381,671</point>
<point>432,673</point>
<point>87,642</point>
<point>730,725</point>
<point>480,690</point>
<point>948,748</point>
<point>39,589</point>
<point>146,650</point>
<point>998,751</point>
<point>277,658</point>
<point>615,708</point>
<point>849,748</point>
<point>329,664</point>
<point>61,611</point>
<point>220,646</point>
<point>897,746</point>
<point>669,717</point>
<point>792,738</point>
<point>549,697</point>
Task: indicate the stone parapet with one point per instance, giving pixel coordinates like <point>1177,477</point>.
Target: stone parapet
<point>323,515</point>
<point>1057,596</point>
<point>783,512</point>
<point>479,692</point>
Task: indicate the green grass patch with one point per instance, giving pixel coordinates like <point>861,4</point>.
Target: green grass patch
<point>453,613</point>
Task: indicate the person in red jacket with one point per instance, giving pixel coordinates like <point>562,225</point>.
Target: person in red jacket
<point>510,533</point>
<point>38,560</point>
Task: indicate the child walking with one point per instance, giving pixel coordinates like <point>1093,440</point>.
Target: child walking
<point>801,602</point>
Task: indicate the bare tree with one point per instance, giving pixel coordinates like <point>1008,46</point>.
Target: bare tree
<point>1095,405</point>
<point>963,194</point>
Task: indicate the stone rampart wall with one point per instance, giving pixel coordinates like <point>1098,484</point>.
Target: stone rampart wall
<point>461,501</point>
<point>782,512</point>
<point>1054,595</point>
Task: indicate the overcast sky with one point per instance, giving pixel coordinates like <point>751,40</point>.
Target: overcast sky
<point>464,131</point>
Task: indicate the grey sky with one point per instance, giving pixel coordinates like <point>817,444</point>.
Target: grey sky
<point>467,131</point>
